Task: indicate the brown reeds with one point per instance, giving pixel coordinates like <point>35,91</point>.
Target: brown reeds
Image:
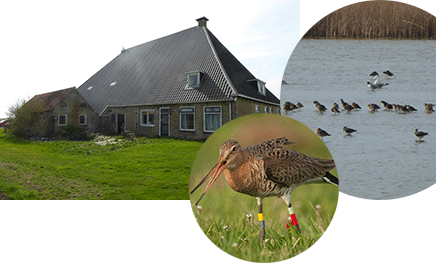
<point>376,19</point>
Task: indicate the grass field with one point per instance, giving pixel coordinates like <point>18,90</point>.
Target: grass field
<point>147,168</point>
<point>233,226</point>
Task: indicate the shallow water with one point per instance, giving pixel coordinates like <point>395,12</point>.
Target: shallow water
<point>383,160</point>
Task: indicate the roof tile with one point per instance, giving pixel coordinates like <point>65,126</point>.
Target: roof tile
<point>155,73</point>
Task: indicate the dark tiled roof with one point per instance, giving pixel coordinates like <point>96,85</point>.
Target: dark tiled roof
<point>48,101</point>
<point>239,75</point>
<point>155,73</point>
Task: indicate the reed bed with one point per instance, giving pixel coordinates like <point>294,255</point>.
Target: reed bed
<point>374,20</point>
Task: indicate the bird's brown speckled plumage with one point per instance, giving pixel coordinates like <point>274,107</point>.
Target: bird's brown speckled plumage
<point>268,169</point>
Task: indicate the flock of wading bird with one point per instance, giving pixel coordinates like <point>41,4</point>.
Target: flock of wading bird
<point>373,107</point>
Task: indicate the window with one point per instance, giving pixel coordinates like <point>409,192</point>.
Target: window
<point>187,119</point>
<point>278,111</point>
<point>271,110</point>
<point>63,104</point>
<point>266,109</point>
<point>113,84</point>
<point>256,108</point>
<point>194,79</point>
<point>259,84</point>
<point>261,87</point>
<point>147,117</point>
<point>82,119</point>
<point>212,118</point>
<point>62,119</point>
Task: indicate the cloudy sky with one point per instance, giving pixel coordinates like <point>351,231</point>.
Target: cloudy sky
<point>53,45</point>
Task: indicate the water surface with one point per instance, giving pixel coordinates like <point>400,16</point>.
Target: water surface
<point>383,160</point>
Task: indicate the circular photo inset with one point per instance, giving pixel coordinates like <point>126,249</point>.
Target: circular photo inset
<point>366,75</point>
<point>264,187</point>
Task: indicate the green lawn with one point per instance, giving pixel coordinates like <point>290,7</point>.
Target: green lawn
<point>233,226</point>
<point>147,168</point>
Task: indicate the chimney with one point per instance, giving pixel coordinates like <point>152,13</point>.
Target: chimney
<point>202,21</point>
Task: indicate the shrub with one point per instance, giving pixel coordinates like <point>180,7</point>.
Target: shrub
<point>25,119</point>
<point>73,133</point>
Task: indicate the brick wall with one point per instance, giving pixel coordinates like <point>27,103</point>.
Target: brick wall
<point>146,120</point>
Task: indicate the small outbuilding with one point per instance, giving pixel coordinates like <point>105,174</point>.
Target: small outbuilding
<point>59,109</point>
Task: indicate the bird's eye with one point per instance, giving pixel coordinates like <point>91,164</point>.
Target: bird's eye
<point>234,148</point>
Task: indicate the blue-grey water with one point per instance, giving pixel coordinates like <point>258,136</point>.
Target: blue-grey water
<point>384,159</point>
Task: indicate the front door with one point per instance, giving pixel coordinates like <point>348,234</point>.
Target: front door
<point>165,122</point>
<point>120,123</point>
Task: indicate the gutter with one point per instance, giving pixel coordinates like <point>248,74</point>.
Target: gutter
<point>259,100</point>
<point>164,104</point>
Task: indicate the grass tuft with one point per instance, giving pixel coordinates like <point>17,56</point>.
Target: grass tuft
<point>240,237</point>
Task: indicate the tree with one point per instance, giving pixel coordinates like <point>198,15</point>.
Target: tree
<point>25,119</point>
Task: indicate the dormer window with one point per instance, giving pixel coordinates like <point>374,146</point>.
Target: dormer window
<point>193,79</point>
<point>261,87</point>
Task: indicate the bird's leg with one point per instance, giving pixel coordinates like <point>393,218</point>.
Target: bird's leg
<point>294,221</point>
<point>287,198</point>
<point>261,220</point>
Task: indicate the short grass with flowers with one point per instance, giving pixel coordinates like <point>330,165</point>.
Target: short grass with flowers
<point>234,227</point>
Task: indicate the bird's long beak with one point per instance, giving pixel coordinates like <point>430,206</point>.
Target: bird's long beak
<point>216,171</point>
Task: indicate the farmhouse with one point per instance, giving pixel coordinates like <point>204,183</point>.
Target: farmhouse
<point>58,109</point>
<point>183,85</point>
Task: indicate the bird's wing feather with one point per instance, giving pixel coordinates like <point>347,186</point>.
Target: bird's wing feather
<point>289,167</point>
<point>268,145</point>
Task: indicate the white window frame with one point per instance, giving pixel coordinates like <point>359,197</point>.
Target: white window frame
<point>59,120</point>
<point>212,113</point>
<point>147,123</point>
<point>256,108</point>
<point>86,119</point>
<point>265,109</point>
<point>180,118</point>
<point>261,87</point>
<point>197,75</point>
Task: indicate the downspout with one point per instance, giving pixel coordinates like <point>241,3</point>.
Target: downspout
<point>230,111</point>
<point>138,120</point>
